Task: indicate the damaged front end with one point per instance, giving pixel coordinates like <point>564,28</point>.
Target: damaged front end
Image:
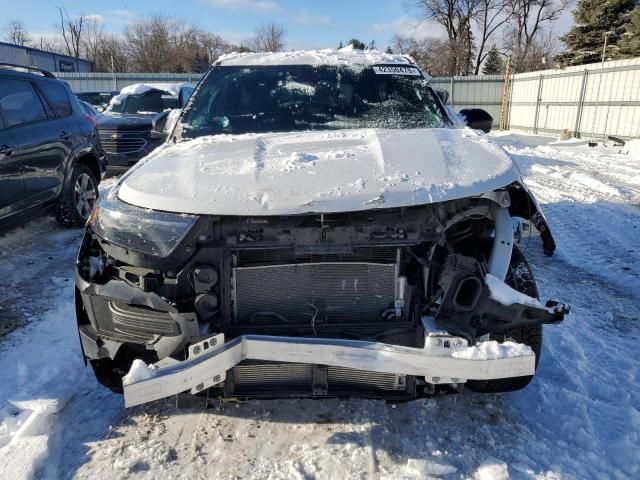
<point>386,303</point>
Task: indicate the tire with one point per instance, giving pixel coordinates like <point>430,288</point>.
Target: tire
<point>107,375</point>
<point>520,278</point>
<point>78,197</point>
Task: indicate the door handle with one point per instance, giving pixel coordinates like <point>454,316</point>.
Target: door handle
<point>6,150</point>
<point>65,136</point>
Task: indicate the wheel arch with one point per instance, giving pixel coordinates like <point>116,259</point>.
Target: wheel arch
<point>525,205</point>
<point>90,160</point>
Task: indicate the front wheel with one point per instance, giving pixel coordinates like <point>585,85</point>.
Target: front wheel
<point>78,197</point>
<point>520,278</point>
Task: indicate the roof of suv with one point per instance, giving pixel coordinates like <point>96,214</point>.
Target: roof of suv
<point>347,56</point>
<point>22,69</point>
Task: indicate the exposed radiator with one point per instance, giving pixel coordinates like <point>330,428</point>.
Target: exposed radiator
<point>297,379</point>
<point>324,293</point>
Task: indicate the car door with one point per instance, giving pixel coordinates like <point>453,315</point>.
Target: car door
<point>11,184</point>
<point>44,173</point>
<point>39,149</point>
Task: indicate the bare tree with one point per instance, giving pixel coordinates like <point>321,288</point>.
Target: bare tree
<point>269,38</point>
<point>491,17</point>
<point>16,32</point>
<point>110,54</point>
<point>456,16</point>
<point>214,46</point>
<point>431,54</point>
<point>71,30</point>
<point>532,18</point>
<point>162,44</point>
<point>51,44</point>
<point>91,41</point>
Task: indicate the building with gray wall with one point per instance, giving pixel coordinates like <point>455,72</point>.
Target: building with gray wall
<point>34,57</point>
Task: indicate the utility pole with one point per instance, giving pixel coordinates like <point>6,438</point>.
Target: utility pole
<point>113,71</point>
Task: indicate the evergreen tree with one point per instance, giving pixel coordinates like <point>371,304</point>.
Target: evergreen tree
<point>357,44</point>
<point>630,41</point>
<point>493,65</point>
<point>593,20</point>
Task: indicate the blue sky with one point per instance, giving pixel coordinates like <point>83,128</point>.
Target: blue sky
<point>308,24</point>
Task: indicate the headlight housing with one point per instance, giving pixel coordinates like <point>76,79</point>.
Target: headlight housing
<point>148,231</point>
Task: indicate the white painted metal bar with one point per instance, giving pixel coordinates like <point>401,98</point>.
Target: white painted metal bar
<point>502,244</point>
<point>207,367</point>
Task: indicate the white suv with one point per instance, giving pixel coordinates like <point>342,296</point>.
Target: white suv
<point>317,224</point>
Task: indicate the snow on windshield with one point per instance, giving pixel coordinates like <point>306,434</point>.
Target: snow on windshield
<point>282,98</point>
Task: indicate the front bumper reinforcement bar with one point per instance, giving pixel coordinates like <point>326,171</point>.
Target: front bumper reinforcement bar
<point>209,360</point>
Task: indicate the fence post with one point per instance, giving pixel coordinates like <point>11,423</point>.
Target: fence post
<point>505,95</point>
<point>511,84</point>
<point>583,91</point>
<point>452,97</point>
<point>538,100</point>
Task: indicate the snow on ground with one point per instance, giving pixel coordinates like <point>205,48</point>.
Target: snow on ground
<point>578,419</point>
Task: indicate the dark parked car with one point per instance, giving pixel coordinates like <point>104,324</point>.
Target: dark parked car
<point>89,109</point>
<point>49,149</point>
<point>125,126</point>
<point>97,98</point>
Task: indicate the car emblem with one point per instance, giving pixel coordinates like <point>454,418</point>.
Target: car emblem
<point>115,136</point>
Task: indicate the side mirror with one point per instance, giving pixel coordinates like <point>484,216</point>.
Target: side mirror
<point>477,119</point>
<point>157,125</point>
<point>443,94</point>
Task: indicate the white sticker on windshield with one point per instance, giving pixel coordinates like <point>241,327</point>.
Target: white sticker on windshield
<point>395,70</point>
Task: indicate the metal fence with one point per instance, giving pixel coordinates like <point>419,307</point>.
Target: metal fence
<point>481,91</point>
<point>589,100</point>
<point>105,82</point>
<point>593,100</point>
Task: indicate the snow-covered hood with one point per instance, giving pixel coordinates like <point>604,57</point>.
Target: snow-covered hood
<point>324,171</point>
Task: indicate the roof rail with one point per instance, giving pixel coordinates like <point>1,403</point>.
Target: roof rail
<point>13,66</point>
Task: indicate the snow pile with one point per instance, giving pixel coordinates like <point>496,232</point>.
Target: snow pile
<point>347,56</point>
<point>492,350</point>
<point>492,469</point>
<point>593,184</point>
<point>632,148</point>
<point>299,160</point>
<point>299,87</point>
<point>138,372</point>
<point>171,88</point>
<point>505,295</point>
<point>426,468</point>
<point>35,389</point>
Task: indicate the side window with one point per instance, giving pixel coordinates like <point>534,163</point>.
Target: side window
<point>19,102</point>
<point>58,98</point>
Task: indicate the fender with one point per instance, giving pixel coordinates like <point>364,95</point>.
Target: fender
<point>80,151</point>
<point>525,205</point>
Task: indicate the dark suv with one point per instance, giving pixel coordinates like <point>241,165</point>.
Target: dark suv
<point>125,126</point>
<point>49,149</point>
